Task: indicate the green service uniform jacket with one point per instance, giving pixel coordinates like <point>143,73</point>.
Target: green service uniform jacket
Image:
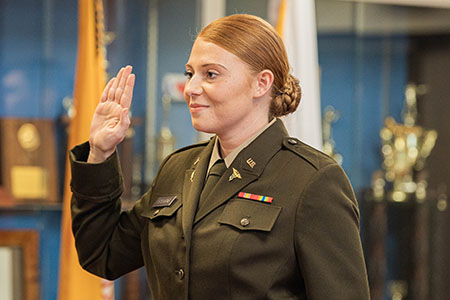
<point>303,245</point>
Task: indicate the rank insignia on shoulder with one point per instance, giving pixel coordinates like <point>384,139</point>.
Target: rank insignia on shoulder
<point>255,197</point>
<point>164,201</point>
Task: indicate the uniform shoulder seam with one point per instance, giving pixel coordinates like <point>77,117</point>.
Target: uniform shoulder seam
<point>182,149</point>
<point>186,148</point>
<point>314,157</point>
<point>196,145</point>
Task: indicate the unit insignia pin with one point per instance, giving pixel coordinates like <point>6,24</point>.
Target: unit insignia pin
<point>251,162</point>
<point>235,175</point>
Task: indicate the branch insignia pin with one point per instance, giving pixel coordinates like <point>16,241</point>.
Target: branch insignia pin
<point>235,175</point>
<point>250,162</point>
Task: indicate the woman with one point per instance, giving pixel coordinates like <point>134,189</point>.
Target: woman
<point>280,222</point>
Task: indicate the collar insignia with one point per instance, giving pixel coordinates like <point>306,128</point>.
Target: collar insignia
<point>235,175</point>
<point>250,162</point>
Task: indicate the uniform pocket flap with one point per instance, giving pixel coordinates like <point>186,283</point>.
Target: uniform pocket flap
<point>250,215</point>
<point>153,212</point>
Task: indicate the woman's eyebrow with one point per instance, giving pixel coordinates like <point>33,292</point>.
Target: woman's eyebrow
<point>207,65</point>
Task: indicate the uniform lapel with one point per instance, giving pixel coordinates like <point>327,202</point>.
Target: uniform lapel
<point>192,187</point>
<point>249,163</point>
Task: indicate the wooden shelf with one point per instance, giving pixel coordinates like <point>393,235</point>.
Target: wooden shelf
<point>8,203</point>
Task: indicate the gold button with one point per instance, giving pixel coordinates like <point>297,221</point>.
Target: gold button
<point>292,141</point>
<point>156,212</point>
<point>245,222</point>
<point>180,273</point>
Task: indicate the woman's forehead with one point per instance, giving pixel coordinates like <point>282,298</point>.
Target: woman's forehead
<point>207,53</point>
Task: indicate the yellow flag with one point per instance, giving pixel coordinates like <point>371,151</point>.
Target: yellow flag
<point>74,282</point>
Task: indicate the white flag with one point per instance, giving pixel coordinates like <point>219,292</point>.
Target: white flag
<point>297,26</point>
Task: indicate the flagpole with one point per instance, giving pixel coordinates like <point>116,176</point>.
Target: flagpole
<point>152,92</point>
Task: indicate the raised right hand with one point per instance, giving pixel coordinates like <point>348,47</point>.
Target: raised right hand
<point>110,121</point>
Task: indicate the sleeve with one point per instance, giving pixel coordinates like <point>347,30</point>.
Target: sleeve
<point>107,240</point>
<point>327,239</point>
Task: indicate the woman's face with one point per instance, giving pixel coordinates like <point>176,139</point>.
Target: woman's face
<point>220,90</point>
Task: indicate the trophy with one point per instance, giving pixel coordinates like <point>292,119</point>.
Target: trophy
<point>398,289</point>
<point>330,116</point>
<point>405,148</point>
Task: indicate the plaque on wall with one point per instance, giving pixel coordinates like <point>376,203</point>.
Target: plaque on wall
<point>28,160</point>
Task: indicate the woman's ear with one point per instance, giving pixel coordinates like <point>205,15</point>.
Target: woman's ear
<point>264,81</point>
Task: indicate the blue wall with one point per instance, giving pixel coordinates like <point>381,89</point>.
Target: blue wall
<point>178,29</point>
<point>128,20</point>
<point>37,65</point>
<point>37,57</point>
<point>363,77</point>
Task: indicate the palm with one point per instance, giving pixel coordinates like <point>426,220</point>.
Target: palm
<point>110,121</point>
<point>105,132</point>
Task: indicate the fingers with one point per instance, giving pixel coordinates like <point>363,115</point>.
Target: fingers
<point>127,95</point>
<point>112,90</point>
<point>119,85</point>
<point>124,122</point>
<point>104,96</point>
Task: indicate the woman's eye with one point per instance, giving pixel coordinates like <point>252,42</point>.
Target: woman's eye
<point>211,75</point>
<point>188,74</point>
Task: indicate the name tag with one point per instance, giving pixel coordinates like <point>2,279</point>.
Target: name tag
<point>164,201</point>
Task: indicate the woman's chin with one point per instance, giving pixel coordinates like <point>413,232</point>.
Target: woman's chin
<point>202,127</point>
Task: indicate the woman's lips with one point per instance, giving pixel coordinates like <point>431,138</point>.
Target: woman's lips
<point>194,107</point>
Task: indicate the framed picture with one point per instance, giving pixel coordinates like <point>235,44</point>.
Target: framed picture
<point>19,271</point>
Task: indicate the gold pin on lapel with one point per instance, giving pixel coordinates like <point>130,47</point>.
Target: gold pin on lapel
<point>235,175</point>
<point>192,176</point>
<point>250,162</point>
<point>196,161</point>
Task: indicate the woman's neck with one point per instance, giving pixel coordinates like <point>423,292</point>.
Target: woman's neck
<point>231,140</point>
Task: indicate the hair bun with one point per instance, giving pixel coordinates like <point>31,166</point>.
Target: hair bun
<point>287,98</point>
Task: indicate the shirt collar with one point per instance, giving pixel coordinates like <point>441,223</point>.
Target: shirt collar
<point>215,155</point>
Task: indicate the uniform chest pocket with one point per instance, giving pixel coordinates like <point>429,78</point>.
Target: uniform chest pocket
<point>154,212</point>
<point>250,215</point>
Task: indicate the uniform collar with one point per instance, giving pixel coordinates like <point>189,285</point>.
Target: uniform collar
<point>248,165</point>
<point>215,155</point>
<point>254,157</point>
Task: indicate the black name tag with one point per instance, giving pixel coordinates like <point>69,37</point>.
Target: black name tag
<point>164,201</point>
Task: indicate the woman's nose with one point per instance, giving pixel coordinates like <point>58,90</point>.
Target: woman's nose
<point>193,86</point>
